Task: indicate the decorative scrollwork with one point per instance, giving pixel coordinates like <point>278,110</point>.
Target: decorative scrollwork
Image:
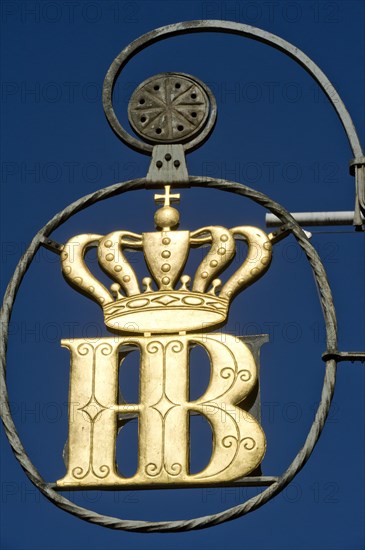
<point>83,349</point>
<point>248,443</point>
<point>244,375</point>
<point>154,346</point>
<point>229,440</point>
<point>227,372</point>
<point>175,345</point>
<point>104,469</point>
<point>105,348</point>
<point>173,470</point>
<point>79,473</point>
<point>152,469</point>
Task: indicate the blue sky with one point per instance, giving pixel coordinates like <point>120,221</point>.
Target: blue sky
<point>277,133</point>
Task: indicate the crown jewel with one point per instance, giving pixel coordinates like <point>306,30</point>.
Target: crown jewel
<point>196,302</point>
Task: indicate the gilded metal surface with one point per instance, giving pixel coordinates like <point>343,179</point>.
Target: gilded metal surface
<point>168,108</point>
<point>163,411</point>
<point>160,321</point>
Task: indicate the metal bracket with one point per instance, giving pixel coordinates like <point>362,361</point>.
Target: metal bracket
<point>280,234</point>
<point>357,169</point>
<point>283,232</point>
<point>341,356</point>
<point>51,245</point>
<point>168,167</point>
<point>317,218</point>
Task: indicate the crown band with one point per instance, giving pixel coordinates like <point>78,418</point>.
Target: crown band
<point>175,312</point>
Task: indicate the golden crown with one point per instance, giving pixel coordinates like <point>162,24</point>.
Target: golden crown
<point>167,309</point>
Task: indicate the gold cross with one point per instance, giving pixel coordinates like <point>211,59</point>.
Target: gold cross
<point>167,198</point>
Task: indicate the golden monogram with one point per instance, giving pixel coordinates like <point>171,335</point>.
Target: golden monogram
<point>166,318</point>
<point>163,323</point>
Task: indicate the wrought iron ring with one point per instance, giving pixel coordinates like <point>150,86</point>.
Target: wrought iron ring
<point>321,414</point>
